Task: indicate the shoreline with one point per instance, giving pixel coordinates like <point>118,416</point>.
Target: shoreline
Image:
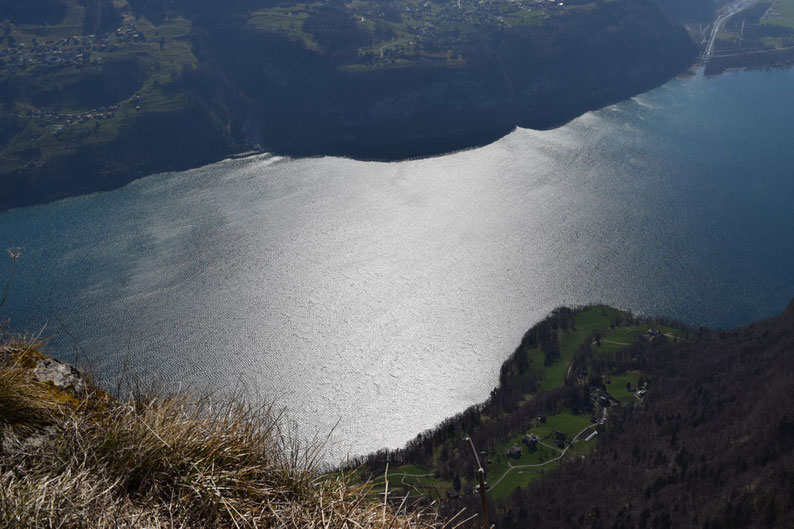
<point>743,61</point>
<point>412,148</point>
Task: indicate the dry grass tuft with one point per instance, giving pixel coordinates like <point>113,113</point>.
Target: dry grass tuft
<point>25,404</point>
<point>155,462</point>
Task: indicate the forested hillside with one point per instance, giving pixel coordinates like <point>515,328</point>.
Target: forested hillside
<point>95,93</point>
<point>701,11</point>
<point>701,436</point>
<point>712,445</point>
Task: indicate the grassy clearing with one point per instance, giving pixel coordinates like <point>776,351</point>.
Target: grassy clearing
<point>525,18</point>
<point>406,474</point>
<point>287,20</point>
<point>617,339</point>
<point>617,387</point>
<point>581,447</point>
<point>626,334</point>
<point>408,478</point>
<point>152,461</point>
<point>518,478</point>
<point>588,321</point>
<point>565,422</point>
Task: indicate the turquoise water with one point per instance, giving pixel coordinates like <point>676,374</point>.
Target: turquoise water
<point>379,298</point>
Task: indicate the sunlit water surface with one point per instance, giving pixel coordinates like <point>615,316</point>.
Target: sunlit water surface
<point>380,298</point>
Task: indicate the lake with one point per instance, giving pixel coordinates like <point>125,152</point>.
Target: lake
<point>375,299</point>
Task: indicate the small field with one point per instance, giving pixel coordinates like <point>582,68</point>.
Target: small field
<point>286,20</point>
<point>781,13</point>
<point>767,25</point>
<point>544,457</point>
<point>407,478</point>
<point>587,322</point>
<point>521,477</point>
<point>618,338</point>
<point>407,32</point>
<point>565,422</point>
<point>617,387</point>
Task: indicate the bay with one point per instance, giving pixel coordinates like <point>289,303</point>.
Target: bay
<point>375,299</point>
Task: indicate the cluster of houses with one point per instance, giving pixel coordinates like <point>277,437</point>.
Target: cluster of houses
<point>50,54</point>
<point>463,12</point>
<point>129,34</point>
<point>136,100</point>
<point>559,439</point>
<point>70,51</point>
<point>57,118</point>
<point>477,11</point>
<point>549,3</point>
<point>531,441</point>
<point>640,390</point>
<point>95,114</point>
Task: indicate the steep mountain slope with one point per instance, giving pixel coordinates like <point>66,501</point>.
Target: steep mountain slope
<point>602,420</point>
<point>88,105</point>
<point>711,446</point>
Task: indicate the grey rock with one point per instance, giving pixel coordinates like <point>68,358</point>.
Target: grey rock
<point>60,374</point>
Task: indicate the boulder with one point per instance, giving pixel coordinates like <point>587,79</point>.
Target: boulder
<point>62,375</point>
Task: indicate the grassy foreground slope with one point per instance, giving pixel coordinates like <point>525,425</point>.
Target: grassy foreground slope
<point>75,458</point>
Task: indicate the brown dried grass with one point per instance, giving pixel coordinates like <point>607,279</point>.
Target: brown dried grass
<point>176,461</point>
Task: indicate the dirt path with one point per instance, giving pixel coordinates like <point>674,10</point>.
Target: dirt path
<point>537,465</point>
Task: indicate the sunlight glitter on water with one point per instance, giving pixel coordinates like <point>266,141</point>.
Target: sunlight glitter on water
<point>380,298</point>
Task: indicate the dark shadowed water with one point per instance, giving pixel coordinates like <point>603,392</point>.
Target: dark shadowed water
<point>384,296</point>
